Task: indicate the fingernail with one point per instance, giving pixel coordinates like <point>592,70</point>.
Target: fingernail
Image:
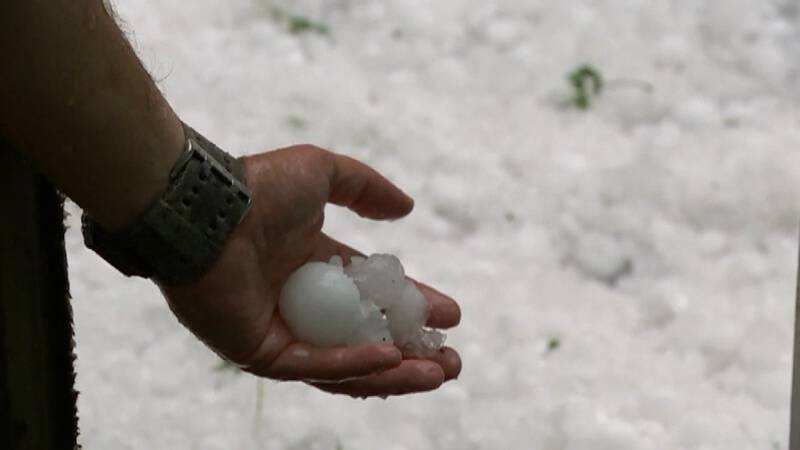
<point>431,369</point>
<point>454,314</point>
<point>391,354</point>
<point>455,360</point>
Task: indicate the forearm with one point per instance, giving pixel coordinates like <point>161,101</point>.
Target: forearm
<point>76,99</point>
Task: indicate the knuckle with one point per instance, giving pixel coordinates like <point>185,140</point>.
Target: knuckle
<point>314,152</point>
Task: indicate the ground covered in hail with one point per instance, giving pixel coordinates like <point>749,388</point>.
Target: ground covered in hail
<point>625,271</point>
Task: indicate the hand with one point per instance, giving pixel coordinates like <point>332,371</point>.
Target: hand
<point>233,307</point>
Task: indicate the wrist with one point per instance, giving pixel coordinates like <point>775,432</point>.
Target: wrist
<point>179,236</point>
<point>139,182</point>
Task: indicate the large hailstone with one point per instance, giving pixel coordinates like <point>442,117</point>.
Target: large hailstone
<point>321,305</point>
<point>370,300</point>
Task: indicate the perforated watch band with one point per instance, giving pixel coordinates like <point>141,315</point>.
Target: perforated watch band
<point>181,235</point>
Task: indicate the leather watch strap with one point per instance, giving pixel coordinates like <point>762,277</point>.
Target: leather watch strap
<point>181,235</point>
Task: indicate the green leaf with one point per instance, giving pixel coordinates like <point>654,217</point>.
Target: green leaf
<point>301,24</point>
<point>553,344</point>
<point>586,81</point>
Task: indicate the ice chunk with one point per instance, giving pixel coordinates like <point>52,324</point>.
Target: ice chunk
<point>425,341</point>
<point>380,279</point>
<point>431,339</point>
<point>321,305</point>
<point>373,327</point>
<point>369,300</point>
<point>407,315</point>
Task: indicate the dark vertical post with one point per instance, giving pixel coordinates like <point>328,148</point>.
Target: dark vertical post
<point>794,421</point>
<point>37,397</point>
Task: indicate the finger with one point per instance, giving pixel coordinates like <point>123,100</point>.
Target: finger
<point>413,375</point>
<point>394,383</point>
<point>446,357</point>
<point>300,361</point>
<point>365,191</point>
<point>444,312</point>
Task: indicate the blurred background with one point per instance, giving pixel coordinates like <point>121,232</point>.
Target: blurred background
<point>624,259</point>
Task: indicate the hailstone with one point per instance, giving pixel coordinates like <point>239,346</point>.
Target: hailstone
<point>374,327</point>
<point>320,304</point>
<point>407,315</point>
<point>380,279</point>
<point>369,300</point>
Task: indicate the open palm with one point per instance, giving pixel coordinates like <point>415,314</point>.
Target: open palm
<point>233,307</point>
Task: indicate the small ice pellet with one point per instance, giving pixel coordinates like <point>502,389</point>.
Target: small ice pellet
<point>336,260</point>
<point>432,339</point>
<point>425,341</point>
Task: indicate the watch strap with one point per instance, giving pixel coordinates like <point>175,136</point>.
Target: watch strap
<point>181,235</point>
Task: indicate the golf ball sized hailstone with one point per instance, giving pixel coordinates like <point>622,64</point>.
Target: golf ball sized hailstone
<point>369,300</point>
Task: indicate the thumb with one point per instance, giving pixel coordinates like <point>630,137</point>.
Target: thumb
<point>357,186</point>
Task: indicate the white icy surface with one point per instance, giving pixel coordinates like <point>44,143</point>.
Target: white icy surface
<point>626,274</point>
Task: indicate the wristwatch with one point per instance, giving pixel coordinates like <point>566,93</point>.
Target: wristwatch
<point>180,236</point>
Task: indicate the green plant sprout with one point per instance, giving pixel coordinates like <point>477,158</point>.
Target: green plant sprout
<point>588,83</point>
<point>297,122</point>
<point>258,412</point>
<point>301,24</point>
<point>296,23</point>
<point>580,79</point>
<point>259,409</point>
<point>553,344</point>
